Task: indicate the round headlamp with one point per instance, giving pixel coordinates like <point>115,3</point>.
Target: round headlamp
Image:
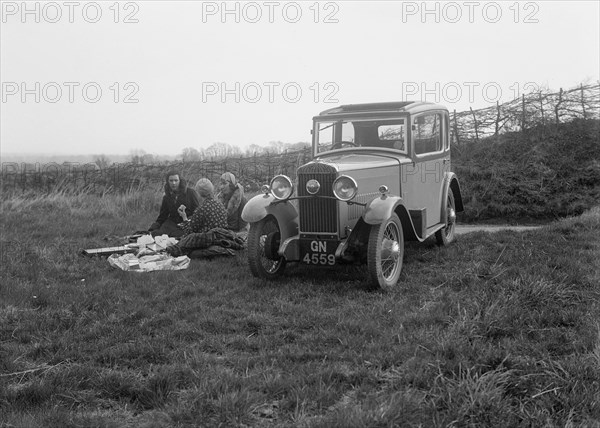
<point>281,187</point>
<point>345,188</point>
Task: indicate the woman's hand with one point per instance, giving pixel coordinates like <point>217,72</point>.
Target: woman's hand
<point>181,211</point>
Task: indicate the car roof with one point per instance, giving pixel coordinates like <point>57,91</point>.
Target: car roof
<point>385,107</point>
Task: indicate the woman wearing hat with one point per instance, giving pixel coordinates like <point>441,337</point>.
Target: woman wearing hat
<point>232,197</point>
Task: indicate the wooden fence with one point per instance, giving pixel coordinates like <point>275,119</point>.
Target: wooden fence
<point>534,109</point>
<point>528,111</point>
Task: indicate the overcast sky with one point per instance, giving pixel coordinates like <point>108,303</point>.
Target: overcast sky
<point>170,75</point>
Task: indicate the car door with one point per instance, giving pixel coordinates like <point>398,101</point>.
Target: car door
<point>423,179</point>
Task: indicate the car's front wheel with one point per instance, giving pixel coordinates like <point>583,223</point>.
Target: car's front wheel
<point>385,252</point>
<point>263,241</point>
<point>446,235</point>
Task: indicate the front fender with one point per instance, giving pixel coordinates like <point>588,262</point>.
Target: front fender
<point>263,205</point>
<point>256,208</point>
<point>381,208</point>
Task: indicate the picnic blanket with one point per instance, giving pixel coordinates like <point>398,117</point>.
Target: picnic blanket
<point>132,263</point>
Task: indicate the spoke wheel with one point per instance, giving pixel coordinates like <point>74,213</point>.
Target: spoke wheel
<point>263,261</point>
<point>446,235</point>
<point>386,252</point>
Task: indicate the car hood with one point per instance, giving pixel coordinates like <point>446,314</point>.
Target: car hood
<point>357,161</point>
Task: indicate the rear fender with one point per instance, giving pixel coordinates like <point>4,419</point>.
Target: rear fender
<point>455,186</point>
<point>451,182</point>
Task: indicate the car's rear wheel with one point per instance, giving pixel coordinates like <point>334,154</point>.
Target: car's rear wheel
<point>385,252</point>
<point>263,241</point>
<point>446,235</point>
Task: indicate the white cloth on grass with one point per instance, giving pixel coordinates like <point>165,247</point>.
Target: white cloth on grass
<point>132,263</point>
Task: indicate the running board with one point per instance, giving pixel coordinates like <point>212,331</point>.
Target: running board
<point>432,229</point>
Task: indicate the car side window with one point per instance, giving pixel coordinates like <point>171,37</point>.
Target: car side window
<point>427,134</point>
<point>446,133</point>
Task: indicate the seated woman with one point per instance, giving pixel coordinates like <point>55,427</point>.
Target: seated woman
<point>232,197</point>
<point>205,234</point>
<point>208,215</point>
<point>178,198</point>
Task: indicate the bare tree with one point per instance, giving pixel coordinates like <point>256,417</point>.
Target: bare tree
<point>102,161</point>
<point>190,154</point>
<point>137,156</point>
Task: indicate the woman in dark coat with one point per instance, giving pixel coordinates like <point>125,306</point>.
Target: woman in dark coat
<point>177,195</point>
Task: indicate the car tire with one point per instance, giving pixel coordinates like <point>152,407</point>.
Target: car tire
<point>385,253</point>
<point>446,235</point>
<point>261,266</point>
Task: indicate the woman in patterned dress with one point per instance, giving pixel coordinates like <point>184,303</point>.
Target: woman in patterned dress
<point>205,234</point>
<point>209,214</point>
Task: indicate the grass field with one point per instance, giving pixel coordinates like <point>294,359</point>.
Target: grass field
<point>494,330</point>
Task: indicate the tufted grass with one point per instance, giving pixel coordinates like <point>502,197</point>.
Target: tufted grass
<point>495,330</point>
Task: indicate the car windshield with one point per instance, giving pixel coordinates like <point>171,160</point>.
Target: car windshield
<point>348,133</point>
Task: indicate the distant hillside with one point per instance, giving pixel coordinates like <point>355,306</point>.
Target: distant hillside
<point>544,172</point>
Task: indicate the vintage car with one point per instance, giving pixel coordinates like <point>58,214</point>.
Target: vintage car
<point>379,175</point>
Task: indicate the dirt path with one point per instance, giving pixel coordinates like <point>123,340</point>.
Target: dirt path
<point>466,228</point>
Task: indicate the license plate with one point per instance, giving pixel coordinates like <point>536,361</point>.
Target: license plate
<point>318,252</point>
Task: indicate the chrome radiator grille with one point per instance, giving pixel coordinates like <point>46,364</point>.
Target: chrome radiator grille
<point>317,215</point>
